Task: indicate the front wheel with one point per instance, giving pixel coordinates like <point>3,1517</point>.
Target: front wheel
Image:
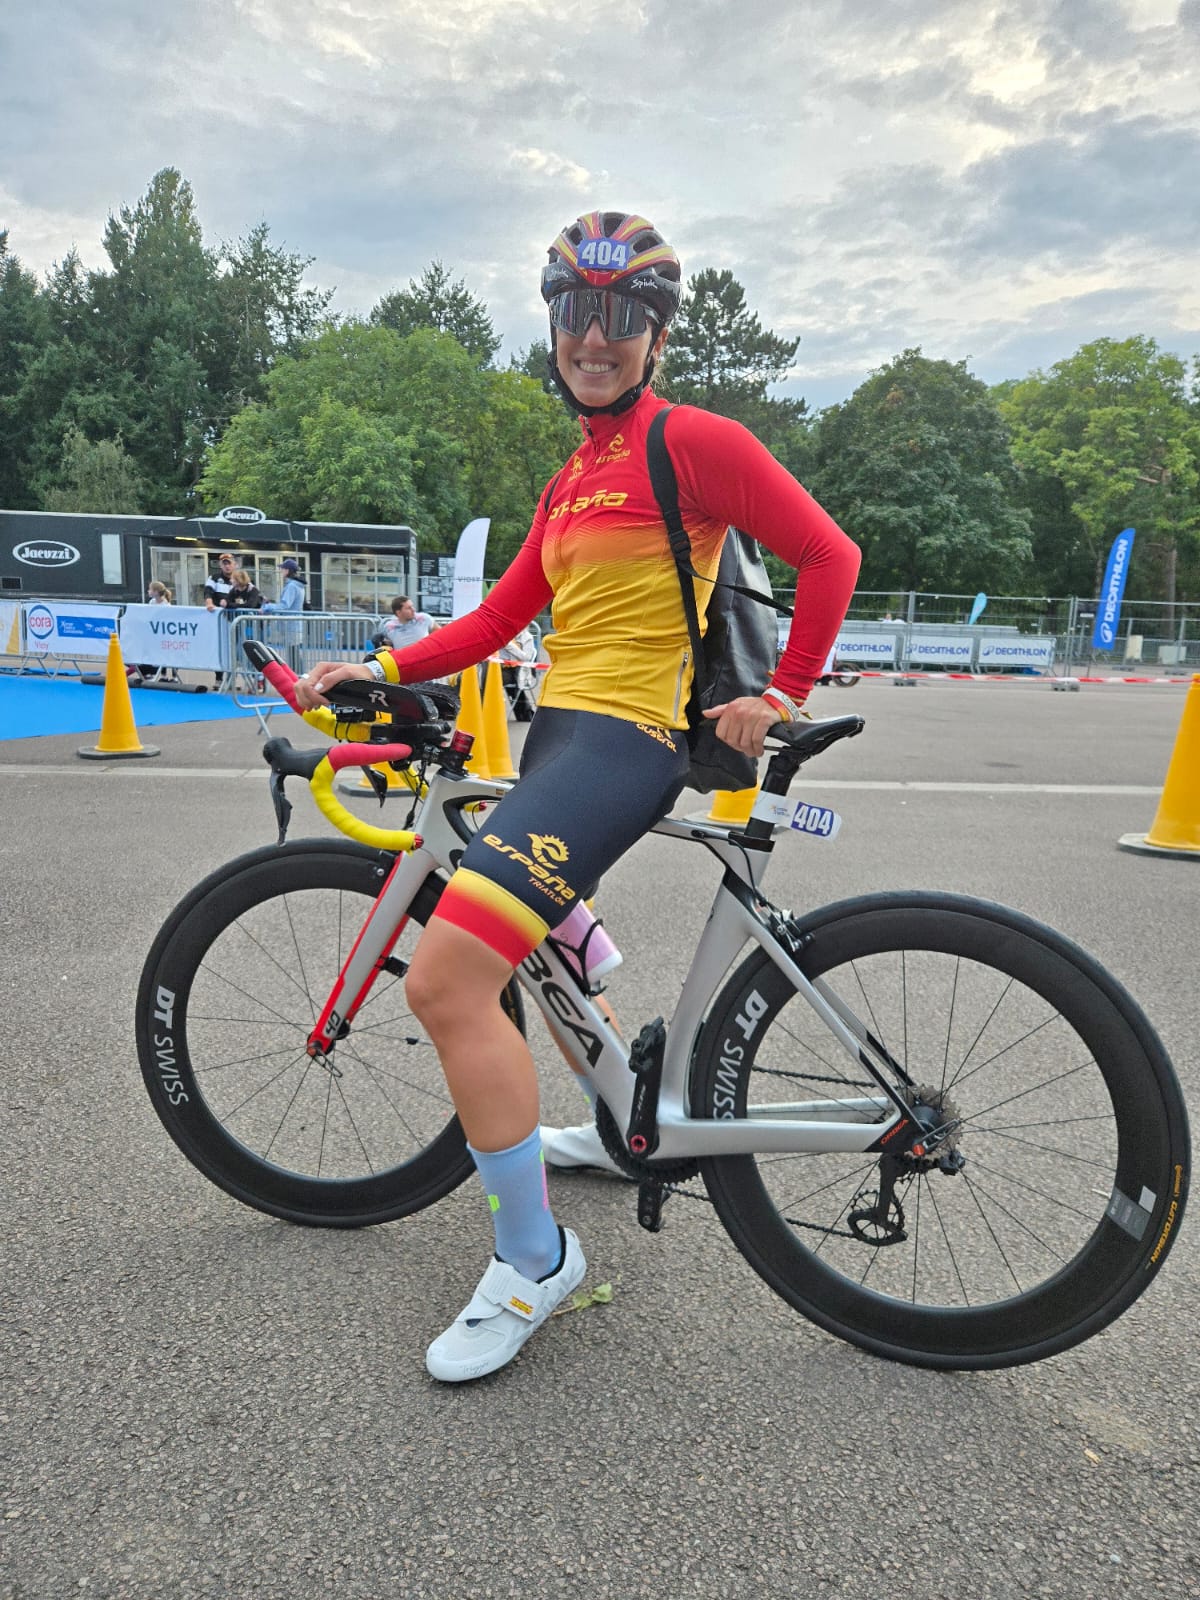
<point>1056,1195</point>
<point>229,993</point>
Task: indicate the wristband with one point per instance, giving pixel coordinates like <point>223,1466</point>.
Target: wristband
<point>375,668</point>
<point>782,702</point>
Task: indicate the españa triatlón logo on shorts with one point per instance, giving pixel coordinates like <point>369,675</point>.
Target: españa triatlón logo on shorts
<point>547,853</point>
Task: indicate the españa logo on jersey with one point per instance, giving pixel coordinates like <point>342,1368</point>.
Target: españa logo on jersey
<point>617,450</point>
<point>602,497</point>
<point>576,466</point>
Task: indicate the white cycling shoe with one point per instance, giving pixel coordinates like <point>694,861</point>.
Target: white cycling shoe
<point>504,1311</point>
<point>568,1149</point>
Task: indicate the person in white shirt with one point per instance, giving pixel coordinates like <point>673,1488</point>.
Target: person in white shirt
<point>407,624</point>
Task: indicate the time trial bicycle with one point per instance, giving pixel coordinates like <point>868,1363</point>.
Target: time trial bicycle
<point>937,1128</point>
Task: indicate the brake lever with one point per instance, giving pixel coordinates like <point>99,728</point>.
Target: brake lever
<point>283,806</point>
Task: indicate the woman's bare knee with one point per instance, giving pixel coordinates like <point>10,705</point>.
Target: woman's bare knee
<point>452,974</point>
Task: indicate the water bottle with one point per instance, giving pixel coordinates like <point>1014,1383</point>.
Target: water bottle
<point>588,949</point>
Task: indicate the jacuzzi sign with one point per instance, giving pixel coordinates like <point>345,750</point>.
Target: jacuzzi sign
<point>46,553</point>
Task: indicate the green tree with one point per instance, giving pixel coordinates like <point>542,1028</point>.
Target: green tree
<point>916,467</point>
<point>99,478</point>
<point>24,333</point>
<point>720,357</point>
<point>531,363</point>
<point>434,301</point>
<point>366,425</point>
<point>1114,430</point>
<point>266,311</point>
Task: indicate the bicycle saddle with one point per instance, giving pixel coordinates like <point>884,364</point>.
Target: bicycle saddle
<point>808,739</point>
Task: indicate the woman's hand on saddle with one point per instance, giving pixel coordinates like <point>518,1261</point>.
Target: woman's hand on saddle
<point>313,687</point>
<point>745,722</point>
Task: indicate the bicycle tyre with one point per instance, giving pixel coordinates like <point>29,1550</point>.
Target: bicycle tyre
<point>1112,1177</point>
<point>229,991</point>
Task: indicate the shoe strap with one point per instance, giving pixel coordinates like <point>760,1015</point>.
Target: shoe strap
<point>503,1288</point>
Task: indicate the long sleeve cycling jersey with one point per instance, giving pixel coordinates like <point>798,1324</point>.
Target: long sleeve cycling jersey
<point>598,554</point>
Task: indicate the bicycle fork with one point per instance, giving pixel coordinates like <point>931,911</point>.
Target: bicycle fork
<point>371,953</point>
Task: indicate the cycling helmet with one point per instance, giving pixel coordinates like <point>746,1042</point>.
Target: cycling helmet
<point>622,252</point>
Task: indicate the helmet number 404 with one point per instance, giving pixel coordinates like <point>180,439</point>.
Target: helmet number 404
<point>604,253</point>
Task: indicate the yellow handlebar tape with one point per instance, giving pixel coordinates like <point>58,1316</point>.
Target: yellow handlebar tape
<point>393,839</point>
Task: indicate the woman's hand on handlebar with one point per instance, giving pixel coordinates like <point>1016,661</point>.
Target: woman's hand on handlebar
<point>314,686</point>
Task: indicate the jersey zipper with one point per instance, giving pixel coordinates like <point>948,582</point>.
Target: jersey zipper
<point>683,666</point>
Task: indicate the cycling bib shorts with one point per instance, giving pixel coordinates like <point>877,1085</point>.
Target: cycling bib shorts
<point>591,786</point>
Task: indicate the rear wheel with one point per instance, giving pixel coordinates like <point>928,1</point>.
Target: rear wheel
<point>1056,1193</point>
<point>230,990</point>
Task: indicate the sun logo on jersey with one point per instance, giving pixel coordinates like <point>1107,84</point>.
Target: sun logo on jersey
<point>547,850</point>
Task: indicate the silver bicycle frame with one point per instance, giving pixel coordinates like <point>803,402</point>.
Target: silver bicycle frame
<point>816,1126</point>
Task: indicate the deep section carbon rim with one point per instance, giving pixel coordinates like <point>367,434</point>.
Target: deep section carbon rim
<point>234,984</point>
<point>1064,1173</point>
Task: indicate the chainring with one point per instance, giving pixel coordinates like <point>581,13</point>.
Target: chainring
<point>640,1171</point>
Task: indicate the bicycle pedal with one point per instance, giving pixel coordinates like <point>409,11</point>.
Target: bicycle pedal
<point>650,1206</point>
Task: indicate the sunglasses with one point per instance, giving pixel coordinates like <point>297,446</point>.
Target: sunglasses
<point>621,316</point>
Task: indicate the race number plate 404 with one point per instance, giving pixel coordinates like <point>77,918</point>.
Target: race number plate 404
<point>802,816</point>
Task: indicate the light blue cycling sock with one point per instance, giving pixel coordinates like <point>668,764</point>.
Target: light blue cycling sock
<point>514,1181</point>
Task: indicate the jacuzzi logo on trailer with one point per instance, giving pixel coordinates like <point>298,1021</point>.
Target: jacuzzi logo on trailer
<point>40,622</point>
<point>46,553</point>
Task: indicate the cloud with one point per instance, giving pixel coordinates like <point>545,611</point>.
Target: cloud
<point>979,177</point>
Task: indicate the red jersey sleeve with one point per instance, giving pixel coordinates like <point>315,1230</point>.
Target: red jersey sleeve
<point>511,605</point>
<point>725,474</point>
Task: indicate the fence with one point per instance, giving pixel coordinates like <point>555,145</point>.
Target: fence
<point>1153,633</point>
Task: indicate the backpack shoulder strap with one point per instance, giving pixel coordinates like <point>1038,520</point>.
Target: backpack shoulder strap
<point>550,488</point>
<point>666,491</point>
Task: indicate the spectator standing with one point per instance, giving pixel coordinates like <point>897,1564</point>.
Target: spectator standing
<point>290,602</point>
<point>216,592</point>
<point>243,596</point>
<point>407,624</point>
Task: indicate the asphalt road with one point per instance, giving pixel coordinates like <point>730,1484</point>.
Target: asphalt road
<point>198,1400</point>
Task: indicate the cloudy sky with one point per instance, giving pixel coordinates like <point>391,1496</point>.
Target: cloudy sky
<point>995,182</point>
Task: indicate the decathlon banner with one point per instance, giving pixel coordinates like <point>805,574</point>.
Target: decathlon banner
<point>468,566</point>
<point>1112,590</point>
<point>1030,652</point>
<point>175,636</point>
<point>67,628</point>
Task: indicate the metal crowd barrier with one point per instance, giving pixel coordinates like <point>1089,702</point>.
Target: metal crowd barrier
<point>302,639</point>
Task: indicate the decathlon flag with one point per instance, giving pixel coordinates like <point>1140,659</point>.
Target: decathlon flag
<point>468,566</point>
<point>1108,614</point>
<point>977,608</point>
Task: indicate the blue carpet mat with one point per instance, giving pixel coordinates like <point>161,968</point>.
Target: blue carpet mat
<point>32,708</point>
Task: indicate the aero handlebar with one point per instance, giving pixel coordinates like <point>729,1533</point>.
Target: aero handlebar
<point>321,770</point>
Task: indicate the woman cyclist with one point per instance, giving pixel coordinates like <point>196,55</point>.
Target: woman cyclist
<point>614,701</point>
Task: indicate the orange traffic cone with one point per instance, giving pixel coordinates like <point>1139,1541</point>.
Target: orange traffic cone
<point>1175,830</point>
<point>118,732</point>
<point>733,805</point>
<point>470,720</point>
<point>495,721</point>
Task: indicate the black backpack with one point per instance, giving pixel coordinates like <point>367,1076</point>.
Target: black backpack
<point>738,652</point>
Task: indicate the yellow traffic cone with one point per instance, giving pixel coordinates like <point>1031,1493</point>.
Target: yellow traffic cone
<point>1175,830</point>
<point>118,732</point>
<point>470,720</point>
<point>733,805</point>
<point>495,721</point>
